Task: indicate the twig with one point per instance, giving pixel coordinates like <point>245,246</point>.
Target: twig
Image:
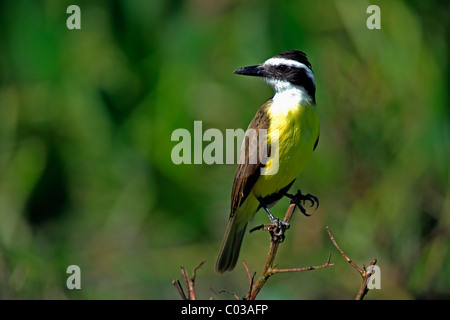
<point>179,288</point>
<point>342,252</point>
<point>190,285</point>
<point>363,272</point>
<point>195,270</point>
<point>247,270</point>
<point>325,265</point>
<point>363,290</point>
<point>232,293</point>
<point>251,278</point>
<point>189,282</point>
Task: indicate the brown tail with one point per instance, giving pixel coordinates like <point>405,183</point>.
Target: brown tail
<point>231,245</point>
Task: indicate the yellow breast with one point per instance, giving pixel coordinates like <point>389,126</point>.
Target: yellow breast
<point>292,133</point>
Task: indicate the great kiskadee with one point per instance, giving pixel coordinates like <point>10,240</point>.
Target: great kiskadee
<point>291,115</point>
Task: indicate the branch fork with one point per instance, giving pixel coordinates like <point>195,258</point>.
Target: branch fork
<point>365,274</point>
<point>276,237</point>
<point>269,267</point>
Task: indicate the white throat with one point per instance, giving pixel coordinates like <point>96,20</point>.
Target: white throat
<point>287,95</point>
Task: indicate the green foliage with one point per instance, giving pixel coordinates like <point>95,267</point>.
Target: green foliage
<point>86,118</point>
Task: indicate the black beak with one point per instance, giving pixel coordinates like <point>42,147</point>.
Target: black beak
<point>255,71</point>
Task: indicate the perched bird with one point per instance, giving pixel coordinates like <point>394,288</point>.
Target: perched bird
<point>289,124</point>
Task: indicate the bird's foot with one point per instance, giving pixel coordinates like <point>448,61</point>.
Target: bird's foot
<point>299,197</point>
<point>279,228</point>
<point>276,227</point>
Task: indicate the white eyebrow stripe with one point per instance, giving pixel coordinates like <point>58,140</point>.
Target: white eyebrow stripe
<point>291,63</point>
<point>287,62</point>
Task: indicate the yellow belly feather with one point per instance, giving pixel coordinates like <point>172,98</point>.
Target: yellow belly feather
<point>298,130</point>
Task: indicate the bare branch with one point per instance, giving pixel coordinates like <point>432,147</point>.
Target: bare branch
<point>363,290</point>
<point>189,283</point>
<point>195,270</point>
<point>232,293</point>
<point>342,252</point>
<point>251,278</point>
<point>179,288</point>
<point>363,272</point>
<point>325,265</point>
<point>269,268</point>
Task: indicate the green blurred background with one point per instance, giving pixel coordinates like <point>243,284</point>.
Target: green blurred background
<point>86,118</point>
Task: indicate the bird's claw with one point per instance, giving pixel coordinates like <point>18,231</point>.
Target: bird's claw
<point>279,228</point>
<point>298,197</point>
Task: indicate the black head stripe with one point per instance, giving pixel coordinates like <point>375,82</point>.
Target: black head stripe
<point>296,55</point>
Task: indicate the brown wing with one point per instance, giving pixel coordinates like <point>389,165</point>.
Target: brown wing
<point>248,170</point>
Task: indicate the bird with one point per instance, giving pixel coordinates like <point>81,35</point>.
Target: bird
<point>289,124</point>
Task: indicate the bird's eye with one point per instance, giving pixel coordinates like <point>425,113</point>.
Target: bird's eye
<point>282,68</point>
